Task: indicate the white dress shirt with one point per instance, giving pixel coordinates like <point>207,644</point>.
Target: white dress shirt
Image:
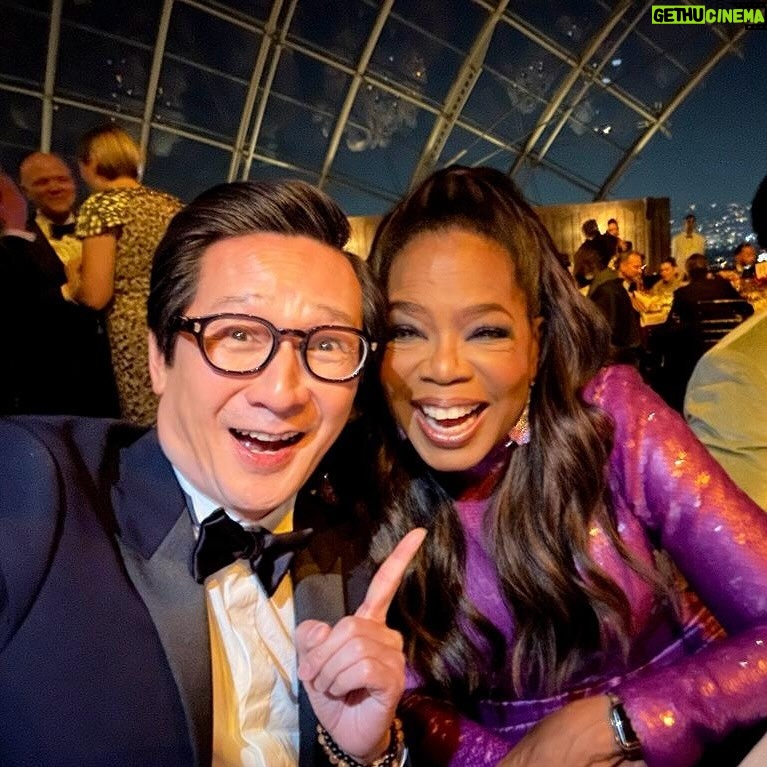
<point>253,656</point>
<point>69,250</point>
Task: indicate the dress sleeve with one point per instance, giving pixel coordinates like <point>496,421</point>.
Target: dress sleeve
<point>99,214</point>
<point>717,537</point>
<point>438,736</point>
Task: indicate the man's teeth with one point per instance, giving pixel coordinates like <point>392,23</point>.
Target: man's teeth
<point>447,413</point>
<point>266,437</point>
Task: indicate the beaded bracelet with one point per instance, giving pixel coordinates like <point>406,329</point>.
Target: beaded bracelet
<point>337,756</point>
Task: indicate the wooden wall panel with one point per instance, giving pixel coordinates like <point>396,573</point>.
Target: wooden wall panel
<point>644,221</point>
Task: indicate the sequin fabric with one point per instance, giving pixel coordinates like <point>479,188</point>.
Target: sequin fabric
<point>141,216</point>
<point>690,681</point>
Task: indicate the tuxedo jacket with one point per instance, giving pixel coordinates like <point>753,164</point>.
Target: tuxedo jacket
<point>104,644</point>
<point>614,302</point>
<point>706,289</point>
<point>56,353</point>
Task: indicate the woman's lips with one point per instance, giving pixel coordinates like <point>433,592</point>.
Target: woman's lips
<point>449,425</point>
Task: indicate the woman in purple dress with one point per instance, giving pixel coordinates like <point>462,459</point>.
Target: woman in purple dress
<point>593,588</point>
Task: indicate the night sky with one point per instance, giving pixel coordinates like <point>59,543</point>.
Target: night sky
<point>718,150</point>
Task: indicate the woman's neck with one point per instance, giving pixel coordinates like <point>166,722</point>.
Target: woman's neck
<point>123,182</point>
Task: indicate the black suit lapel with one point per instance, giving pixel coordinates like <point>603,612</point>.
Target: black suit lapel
<point>156,541</point>
<point>47,259</point>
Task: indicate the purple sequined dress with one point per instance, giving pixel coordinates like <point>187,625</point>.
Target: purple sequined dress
<point>689,684</point>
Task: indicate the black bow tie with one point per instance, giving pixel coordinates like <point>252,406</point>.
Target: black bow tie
<point>222,541</point>
<point>59,230</point>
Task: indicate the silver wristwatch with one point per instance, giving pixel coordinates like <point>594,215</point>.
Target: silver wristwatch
<point>624,733</point>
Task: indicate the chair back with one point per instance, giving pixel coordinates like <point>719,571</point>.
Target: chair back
<point>715,318</point>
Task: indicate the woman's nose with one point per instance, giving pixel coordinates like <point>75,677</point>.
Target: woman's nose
<point>446,363</point>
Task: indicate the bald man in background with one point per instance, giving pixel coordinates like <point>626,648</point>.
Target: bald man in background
<point>57,361</point>
<point>48,184</point>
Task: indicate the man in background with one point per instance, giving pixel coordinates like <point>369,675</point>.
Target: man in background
<point>670,279</point>
<point>725,403</point>
<point>614,229</point>
<point>47,182</point>
<point>613,296</point>
<point>62,364</point>
<point>745,260</point>
<point>586,261</point>
<point>688,241</point>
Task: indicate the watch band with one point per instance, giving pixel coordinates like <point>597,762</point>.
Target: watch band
<point>624,733</point>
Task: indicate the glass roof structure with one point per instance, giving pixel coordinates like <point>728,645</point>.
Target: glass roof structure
<point>360,97</point>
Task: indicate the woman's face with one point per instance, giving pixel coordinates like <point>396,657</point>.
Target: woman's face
<point>462,352</point>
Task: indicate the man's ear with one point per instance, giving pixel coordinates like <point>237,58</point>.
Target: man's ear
<point>158,369</point>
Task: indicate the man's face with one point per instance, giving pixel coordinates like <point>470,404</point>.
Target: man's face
<point>250,443</point>
<point>689,225</point>
<point>631,267</point>
<point>612,228</point>
<point>667,271</point>
<point>49,186</point>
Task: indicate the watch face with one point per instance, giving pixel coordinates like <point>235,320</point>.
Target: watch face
<point>624,732</point>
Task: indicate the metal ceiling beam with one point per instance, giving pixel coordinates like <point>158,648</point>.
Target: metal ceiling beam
<point>250,97</point>
<point>536,36</point>
<point>457,96</point>
<point>54,36</point>
<point>267,89</point>
<point>568,82</point>
<point>354,86</point>
<point>154,74</point>
<point>586,87</point>
<point>680,96</point>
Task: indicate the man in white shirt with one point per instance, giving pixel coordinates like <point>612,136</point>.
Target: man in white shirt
<point>129,633</point>
<point>688,241</point>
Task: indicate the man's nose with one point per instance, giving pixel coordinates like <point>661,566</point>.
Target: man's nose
<point>283,384</point>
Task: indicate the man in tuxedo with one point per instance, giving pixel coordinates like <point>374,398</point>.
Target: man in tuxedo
<point>725,403</point>
<point>143,620</point>
<point>613,297</point>
<point>47,182</point>
<point>62,364</point>
<point>703,286</point>
<point>678,341</point>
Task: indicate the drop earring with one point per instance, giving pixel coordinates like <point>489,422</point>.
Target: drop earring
<point>520,432</point>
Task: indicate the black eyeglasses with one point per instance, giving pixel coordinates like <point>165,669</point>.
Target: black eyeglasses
<point>241,345</point>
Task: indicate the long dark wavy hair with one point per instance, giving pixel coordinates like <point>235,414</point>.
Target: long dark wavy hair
<point>554,489</point>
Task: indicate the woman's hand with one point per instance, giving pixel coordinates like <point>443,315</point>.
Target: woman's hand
<point>578,735</point>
